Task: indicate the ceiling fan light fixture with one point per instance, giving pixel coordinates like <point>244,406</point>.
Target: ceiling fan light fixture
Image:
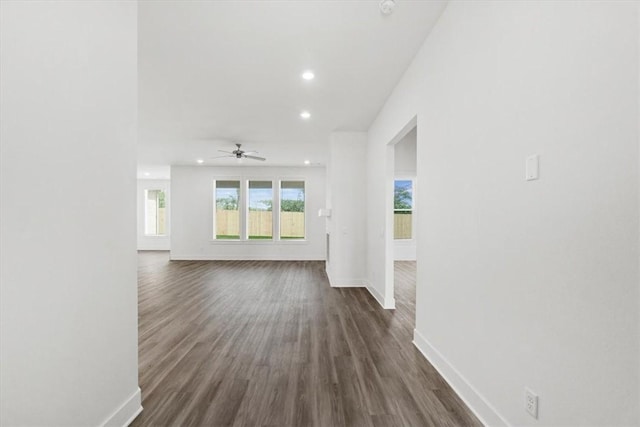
<point>239,154</point>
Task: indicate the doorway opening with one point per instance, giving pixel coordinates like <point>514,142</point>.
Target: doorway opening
<point>404,226</point>
<point>401,239</point>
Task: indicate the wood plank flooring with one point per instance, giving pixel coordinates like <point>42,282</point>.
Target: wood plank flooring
<point>405,294</point>
<point>269,343</point>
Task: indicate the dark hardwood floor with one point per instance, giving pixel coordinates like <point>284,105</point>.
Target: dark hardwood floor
<point>260,343</point>
<point>405,294</point>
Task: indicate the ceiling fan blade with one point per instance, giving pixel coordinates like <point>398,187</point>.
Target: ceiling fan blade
<point>250,152</point>
<point>221,157</point>
<point>255,158</point>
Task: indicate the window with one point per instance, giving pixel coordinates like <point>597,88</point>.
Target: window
<point>403,209</point>
<point>292,210</point>
<point>154,213</point>
<point>260,217</point>
<point>227,215</point>
<point>248,209</point>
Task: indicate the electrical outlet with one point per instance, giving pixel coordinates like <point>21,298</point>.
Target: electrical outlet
<point>531,403</point>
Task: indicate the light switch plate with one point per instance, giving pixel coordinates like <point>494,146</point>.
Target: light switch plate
<point>532,168</point>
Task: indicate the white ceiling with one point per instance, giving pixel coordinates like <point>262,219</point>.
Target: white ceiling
<point>212,72</point>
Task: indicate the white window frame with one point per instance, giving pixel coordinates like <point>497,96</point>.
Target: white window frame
<point>243,206</point>
<point>304,181</point>
<point>273,207</point>
<point>144,216</point>
<point>240,209</point>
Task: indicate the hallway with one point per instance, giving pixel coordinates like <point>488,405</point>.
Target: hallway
<point>270,343</point>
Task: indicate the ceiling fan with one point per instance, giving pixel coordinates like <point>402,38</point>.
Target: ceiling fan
<point>239,153</point>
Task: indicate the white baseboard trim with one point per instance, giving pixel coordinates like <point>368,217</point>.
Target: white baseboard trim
<point>387,305</point>
<point>344,283</point>
<point>242,258</point>
<point>348,284</point>
<point>390,304</point>
<point>480,406</point>
<point>126,413</point>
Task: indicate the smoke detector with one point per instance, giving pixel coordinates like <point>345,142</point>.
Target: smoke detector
<point>387,6</point>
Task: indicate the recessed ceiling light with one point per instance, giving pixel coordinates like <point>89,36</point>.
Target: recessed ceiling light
<point>200,161</point>
<point>305,115</point>
<point>308,75</point>
<point>307,162</point>
<point>147,174</point>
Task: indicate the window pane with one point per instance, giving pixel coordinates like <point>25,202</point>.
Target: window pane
<point>260,210</point>
<point>403,209</point>
<point>403,195</point>
<point>227,210</point>
<point>292,210</point>
<point>154,213</point>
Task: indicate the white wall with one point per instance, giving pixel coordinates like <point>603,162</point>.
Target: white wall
<point>154,243</point>
<point>68,255</point>
<point>524,283</point>
<point>405,153</point>
<point>346,226</point>
<point>192,215</point>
